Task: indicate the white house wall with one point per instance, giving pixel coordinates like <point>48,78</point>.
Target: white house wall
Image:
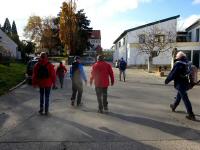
<point>8,44</point>
<point>193,36</point>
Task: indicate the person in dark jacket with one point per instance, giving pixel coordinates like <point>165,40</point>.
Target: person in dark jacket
<point>60,72</point>
<point>44,77</point>
<point>122,69</point>
<point>77,75</point>
<point>181,83</point>
<point>101,71</point>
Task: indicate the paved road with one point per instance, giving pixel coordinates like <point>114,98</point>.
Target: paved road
<point>139,118</point>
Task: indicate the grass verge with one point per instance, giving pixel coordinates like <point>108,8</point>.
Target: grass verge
<point>11,75</point>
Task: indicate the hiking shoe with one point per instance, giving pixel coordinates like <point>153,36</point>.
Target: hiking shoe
<point>106,109</point>
<point>100,111</point>
<point>40,112</point>
<point>46,113</point>
<point>72,103</point>
<point>191,117</point>
<point>172,107</point>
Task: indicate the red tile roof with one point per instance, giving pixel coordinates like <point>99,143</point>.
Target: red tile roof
<point>96,34</point>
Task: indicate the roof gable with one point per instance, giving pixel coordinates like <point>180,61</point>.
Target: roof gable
<point>145,25</point>
<point>193,25</point>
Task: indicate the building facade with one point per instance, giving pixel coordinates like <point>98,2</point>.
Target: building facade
<point>9,45</point>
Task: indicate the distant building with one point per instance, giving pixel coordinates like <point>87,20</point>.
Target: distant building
<point>9,45</point>
<point>126,45</point>
<point>95,42</point>
<point>188,41</point>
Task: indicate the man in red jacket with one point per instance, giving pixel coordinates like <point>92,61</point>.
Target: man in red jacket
<point>44,77</point>
<point>101,71</point>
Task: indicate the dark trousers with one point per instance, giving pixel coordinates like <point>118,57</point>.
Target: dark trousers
<point>182,94</point>
<point>44,97</point>
<point>61,79</point>
<point>77,87</point>
<point>102,97</point>
<point>120,75</point>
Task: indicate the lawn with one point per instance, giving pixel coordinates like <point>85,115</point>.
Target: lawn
<point>11,75</point>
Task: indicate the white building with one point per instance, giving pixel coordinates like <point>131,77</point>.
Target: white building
<point>190,43</point>
<point>126,44</point>
<point>9,45</point>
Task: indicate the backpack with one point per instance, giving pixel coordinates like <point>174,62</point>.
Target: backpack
<point>191,73</point>
<point>43,72</point>
<point>122,65</point>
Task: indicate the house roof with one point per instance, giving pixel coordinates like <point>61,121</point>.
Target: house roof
<point>193,25</point>
<point>95,34</point>
<point>146,25</point>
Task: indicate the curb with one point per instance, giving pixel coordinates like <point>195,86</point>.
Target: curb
<point>18,85</point>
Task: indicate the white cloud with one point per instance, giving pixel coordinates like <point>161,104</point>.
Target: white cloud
<point>196,2</point>
<point>183,23</point>
<point>100,12</point>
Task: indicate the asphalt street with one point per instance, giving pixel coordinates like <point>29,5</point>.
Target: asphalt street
<point>139,118</point>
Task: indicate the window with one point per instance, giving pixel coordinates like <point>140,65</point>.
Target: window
<point>141,38</point>
<point>160,38</point>
<point>197,35</point>
<point>189,36</point>
<point>119,43</point>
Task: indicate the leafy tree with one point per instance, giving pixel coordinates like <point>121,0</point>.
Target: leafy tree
<point>7,27</point>
<point>14,34</point>
<point>68,25</point>
<point>83,33</point>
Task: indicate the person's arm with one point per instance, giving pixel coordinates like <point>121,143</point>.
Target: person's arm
<point>111,74</point>
<point>82,72</point>
<point>172,74</point>
<point>70,72</point>
<point>92,75</point>
<point>53,74</point>
<point>34,76</point>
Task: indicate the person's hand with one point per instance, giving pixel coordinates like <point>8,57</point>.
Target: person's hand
<point>85,82</point>
<point>166,82</point>
<point>112,83</point>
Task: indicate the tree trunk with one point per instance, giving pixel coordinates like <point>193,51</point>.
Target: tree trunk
<point>150,62</point>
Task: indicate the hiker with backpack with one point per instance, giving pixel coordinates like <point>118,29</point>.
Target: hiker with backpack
<point>180,74</point>
<point>60,72</point>
<point>122,69</point>
<point>44,77</point>
<point>77,75</point>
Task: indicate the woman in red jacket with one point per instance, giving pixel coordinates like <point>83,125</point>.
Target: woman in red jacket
<point>60,72</point>
<point>101,71</point>
<point>44,77</point>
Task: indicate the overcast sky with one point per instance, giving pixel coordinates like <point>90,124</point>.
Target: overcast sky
<point>112,17</point>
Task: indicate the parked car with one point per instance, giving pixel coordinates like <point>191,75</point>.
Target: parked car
<point>29,70</point>
<point>88,60</point>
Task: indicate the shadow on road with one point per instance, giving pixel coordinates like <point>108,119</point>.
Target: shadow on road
<point>180,131</point>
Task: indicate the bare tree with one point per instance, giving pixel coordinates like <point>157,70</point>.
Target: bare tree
<point>155,40</point>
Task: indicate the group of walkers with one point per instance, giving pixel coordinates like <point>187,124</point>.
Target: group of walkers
<point>44,76</point>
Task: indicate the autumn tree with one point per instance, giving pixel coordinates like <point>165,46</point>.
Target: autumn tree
<point>14,34</point>
<point>154,41</point>
<point>68,25</point>
<point>33,29</point>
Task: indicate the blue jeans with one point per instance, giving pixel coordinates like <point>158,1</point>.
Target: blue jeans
<point>182,94</point>
<point>44,93</point>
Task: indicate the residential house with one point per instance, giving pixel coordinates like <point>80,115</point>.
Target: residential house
<point>95,42</point>
<point>126,45</point>
<point>188,41</point>
<point>9,45</point>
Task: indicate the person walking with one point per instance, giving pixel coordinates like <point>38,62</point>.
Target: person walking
<point>181,83</point>
<point>77,75</point>
<point>60,72</point>
<point>122,69</point>
<point>100,73</point>
<point>44,77</point>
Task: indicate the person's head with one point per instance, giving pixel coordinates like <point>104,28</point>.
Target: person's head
<point>180,55</point>
<point>43,55</point>
<point>100,58</point>
<point>60,62</point>
<point>122,58</point>
<point>77,59</point>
